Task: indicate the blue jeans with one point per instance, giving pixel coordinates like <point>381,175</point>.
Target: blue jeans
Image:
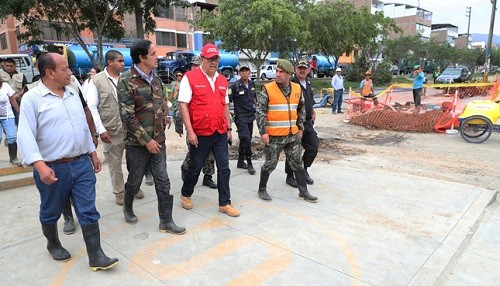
<point>337,100</point>
<point>75,180</point>
<point>218,143</point>
<point>9,127</point>
<point>139,160</point>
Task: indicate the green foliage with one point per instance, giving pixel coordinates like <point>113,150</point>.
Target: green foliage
<point>495,57</point>
<point>382,75</point>
<point>358,69</point>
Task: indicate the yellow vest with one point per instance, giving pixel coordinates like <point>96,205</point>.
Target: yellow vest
<point>282,111</point>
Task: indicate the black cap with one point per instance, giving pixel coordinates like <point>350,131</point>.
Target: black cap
<point>244,67</point>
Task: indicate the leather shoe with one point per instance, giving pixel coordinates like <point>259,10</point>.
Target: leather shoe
<point>229,210</point>
<point>186,203</point>
<point>140,194</point>
<point>119,199</point>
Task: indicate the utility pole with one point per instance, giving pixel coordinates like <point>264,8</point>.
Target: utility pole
<point>490,39</point>
<point>467,14</point>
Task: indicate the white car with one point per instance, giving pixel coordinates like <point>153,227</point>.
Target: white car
<point>267,72</point>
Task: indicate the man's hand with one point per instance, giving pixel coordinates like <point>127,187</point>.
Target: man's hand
<point>153,147</point>
<point>105,137</point>
<point>265,138</point>
<point>95,162</point>
<point>301,132</point>
<point>192,139</point>
<point>47,175</point>
<point>229,136</point>
<point>95,141</point>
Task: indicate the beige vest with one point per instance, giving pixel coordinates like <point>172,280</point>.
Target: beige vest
<point>16,81</point>
<point>109,108</point>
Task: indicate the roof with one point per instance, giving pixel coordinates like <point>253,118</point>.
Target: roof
<point>441,26</point>
<point>407,5</point>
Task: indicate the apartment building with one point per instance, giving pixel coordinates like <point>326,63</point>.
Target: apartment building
<point>444,33</point>
<point>411,19</point>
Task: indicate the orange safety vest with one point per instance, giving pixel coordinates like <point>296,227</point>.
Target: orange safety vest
<point>367,87</point>
<point>282,111</point>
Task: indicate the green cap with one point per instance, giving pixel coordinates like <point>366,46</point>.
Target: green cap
<point>285,65</point>
<point>416,67</point>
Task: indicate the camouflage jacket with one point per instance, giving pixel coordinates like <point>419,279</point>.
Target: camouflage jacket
<point>143,109</point>
<point>263,105</point>
<point>178,123</point>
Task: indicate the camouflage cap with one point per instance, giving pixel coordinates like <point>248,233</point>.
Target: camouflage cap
<point>195,61</point>
<point>303,63</point>
<point>285,65</point>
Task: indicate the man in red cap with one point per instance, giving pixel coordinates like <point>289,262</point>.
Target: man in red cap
<point>204,107</point>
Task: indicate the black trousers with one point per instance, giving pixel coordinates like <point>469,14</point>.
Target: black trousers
<point>310,142</point>
<point>245,131</point>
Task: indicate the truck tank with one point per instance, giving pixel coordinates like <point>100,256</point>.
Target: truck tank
<point>322,67</point>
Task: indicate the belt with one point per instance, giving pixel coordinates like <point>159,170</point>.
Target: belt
<point>64,160</point>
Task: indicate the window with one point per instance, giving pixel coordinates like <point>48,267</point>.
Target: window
<point>165,13</point>
<point>51,34</point>
<point>165,38</point>
<point>180,13</point>
<point>181,41</point>
<point>3,42</point>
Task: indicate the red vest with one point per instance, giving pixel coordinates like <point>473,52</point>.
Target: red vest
<point>207,107</point>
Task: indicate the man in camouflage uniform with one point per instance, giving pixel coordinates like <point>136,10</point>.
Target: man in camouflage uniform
<point>144,112</point>
<point>209,167</point>
<point>280,118</point>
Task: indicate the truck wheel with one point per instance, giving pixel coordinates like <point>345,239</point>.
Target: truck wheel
<point>476,129</point>
<point>321,75</point>
<point>263,76</point>
<point>227,73</point>
<point>331,73</point>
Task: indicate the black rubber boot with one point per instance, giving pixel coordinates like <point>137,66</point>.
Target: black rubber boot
<point>309,180</point>
<point>207,181</point>
<point>250,167</point>
<point>97,259</point>
<point>241,163</point>
<point>264,177</point>
<point>53,244</point>
<point>167,224</point>
<point>300,176</point>
<point>290,180</point>
<point>13,154</point>
<point>69,221</point>
<point>128,211</point>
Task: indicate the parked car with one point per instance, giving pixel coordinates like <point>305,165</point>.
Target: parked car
<point>394,70</point>
<point>267,72</point>
<point>454,75</point>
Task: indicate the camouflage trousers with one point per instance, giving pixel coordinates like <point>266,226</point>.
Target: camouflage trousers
<point>208,168</point>
<point>293,151</point>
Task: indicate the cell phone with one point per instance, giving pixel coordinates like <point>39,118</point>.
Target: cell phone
<point>230,142</point>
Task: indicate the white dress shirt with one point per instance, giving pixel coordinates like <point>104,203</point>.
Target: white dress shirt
<point>93,101</point>
<point>337,82</point>
<point>51,127</point>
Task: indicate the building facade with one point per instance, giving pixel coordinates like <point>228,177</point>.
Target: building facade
<point>411,19</point>
<point>444,33</point>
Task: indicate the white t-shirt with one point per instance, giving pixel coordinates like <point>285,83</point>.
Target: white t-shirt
<point>185,92</point>
<point>6,91</point>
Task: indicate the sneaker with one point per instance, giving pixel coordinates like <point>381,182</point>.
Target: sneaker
<point>186,203</point>
<point>140,194</point>
<point>229,210</point>
<point>119,199</point>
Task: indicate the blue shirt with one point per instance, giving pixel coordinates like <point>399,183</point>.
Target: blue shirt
<point>418,81</point>
<point>147,78</point>
<point>337,82</point>
<point>51,127</point>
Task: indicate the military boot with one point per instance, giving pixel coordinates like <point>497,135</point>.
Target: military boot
<point>53,244</point>
<point>167,224</point>
<point>300,176</point>
<point>207,181</point>
<point>309,180</point>
<point>128,211</point>
<point>264,177</point>
<point>241,163</point>
<point>97,259</point>
<point>250,167</point>
<point>69,221</point>
<point>290,180</point>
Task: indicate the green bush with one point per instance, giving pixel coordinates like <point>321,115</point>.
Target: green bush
<point>382,75</point>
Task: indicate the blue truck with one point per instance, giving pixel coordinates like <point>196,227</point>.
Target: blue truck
<point>179,61</point>
<point>321,66</point>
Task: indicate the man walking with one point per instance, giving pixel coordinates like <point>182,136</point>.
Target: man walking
<point>209,166</point>
<point>144,113</point>
<point>103,103</point>
<point>54,137</point>
<point>204,107</point>
<point>338,90</point>
<point>309,140</point>
<point>243,96</point>
<point>280,118</point>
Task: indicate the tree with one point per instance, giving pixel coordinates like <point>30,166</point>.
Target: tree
<point>405,50</point>
<point>254,28</point>
<point>334,28</point>
<point>143,11</point>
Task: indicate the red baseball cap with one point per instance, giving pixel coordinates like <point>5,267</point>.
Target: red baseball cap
<point>209,51</point>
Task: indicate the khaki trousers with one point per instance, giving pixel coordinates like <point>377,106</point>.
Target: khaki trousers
<point>114,154</point>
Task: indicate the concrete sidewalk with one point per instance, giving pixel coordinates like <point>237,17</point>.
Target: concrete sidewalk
<point>368,227</point>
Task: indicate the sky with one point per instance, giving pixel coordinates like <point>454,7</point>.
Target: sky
<point>453,12</point>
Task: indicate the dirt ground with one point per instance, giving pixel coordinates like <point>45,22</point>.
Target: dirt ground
<point>433,155</point>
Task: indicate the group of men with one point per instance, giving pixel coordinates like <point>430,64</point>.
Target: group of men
<point>130,113</point>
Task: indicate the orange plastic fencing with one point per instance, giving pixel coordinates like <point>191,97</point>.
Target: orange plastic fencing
<point>440,109</point>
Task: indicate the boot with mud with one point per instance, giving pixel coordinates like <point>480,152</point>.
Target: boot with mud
<point>264,177</point>
<point>250,167</point>
<point>69,221</point>
<point>167,224</point>
<point>54,246</point>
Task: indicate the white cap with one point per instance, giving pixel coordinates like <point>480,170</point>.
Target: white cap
<point>338,69</point>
